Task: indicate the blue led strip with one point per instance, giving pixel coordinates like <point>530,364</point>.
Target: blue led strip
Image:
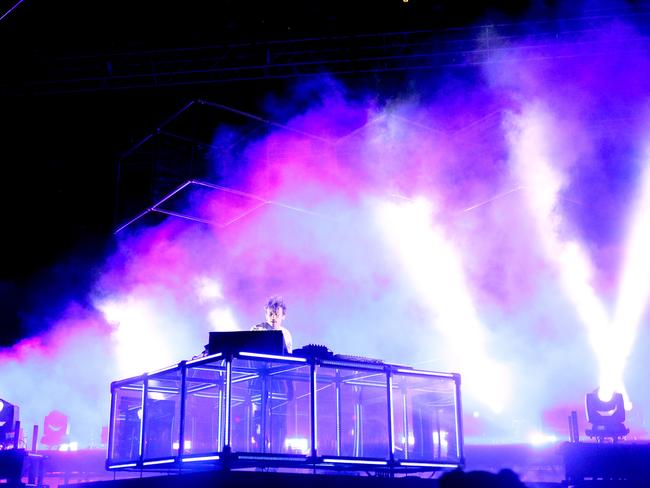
<point>273,356</point>
<point>181,428</point>
<point>200,458</point>
<point>354,461</point>
<point>226,439</point>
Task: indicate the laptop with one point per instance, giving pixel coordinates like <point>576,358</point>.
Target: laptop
<point>260,341</point>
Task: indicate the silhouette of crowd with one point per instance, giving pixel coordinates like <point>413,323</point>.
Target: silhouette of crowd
<point>505,478</point>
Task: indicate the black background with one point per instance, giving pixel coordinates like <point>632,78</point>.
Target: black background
<point>58,151</point>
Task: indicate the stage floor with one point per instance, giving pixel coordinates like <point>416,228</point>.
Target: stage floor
<point>565,464</point>
<point>535,465</point>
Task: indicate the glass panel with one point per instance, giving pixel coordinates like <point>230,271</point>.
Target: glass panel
<point>352,412</point>
<point>125,419</point>
<point>425,416</point>
<point>270,406</point>
<point>162,414</point>
<point>205,411</point>
<point>271,411</point>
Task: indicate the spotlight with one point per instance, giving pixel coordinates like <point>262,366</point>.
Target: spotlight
<point>9,415</point>
<point>55,429</point>
<point>606,416</point>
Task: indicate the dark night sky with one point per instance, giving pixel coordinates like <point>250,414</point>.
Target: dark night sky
<point>58,151</point>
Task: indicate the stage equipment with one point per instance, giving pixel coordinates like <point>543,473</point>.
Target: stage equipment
<point>240,409</point>
<point>9,415</point>
<point>606,464</point>
<point>11,467</point>
<point>574,433</point>
<point>264,341</point>
<point>606,417</point>
<point>55,429</point>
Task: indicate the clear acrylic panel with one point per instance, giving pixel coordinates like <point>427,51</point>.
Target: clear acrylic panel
<point>352,412</point>
<point>270,406</point>
<point>425,418</point>
<point>269,411</point>
<point>205,412</point>
<point>126,418</point>
<point>162,414</point>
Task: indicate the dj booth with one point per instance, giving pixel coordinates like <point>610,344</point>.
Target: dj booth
<point>240,408</point>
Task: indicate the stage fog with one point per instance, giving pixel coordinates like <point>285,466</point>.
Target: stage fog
<point>490,221</point>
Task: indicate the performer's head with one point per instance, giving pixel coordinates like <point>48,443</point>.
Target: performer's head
<point>275,311</point>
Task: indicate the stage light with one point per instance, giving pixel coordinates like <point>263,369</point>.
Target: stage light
<point>135,323</point>
<point>434,267</point>
<point>410,439</point>
<point>71,447</point>
<point>297,445</point>
<point>187,445</point>
<point>222,319</point>
<point>633,292</point>
<point>55,429</point>
<point>540,438</point>
<point>611,338</point>
<point>532,156</point>
<point>606,417</point>
<point>208,289</point>
<point>9,414</point>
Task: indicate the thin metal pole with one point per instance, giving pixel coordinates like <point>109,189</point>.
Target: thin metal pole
<point>154,207</point>
<point>34,438</point>
<point>260,119</point>
<point>16,433</point>
<point>11,9</point>
<point>111,427</point>
<point>181,429</point>
<point>313,430</point>
<point>133,148</point>
<point>459,421</point>
<point>338,412</point>
<point>391,424</point>
<point>145,394</point>
<point>405,423</point>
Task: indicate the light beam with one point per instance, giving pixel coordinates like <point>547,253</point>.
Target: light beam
<point>434,268</point>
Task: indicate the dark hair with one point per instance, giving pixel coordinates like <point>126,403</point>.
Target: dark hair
<point>276,302</point>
